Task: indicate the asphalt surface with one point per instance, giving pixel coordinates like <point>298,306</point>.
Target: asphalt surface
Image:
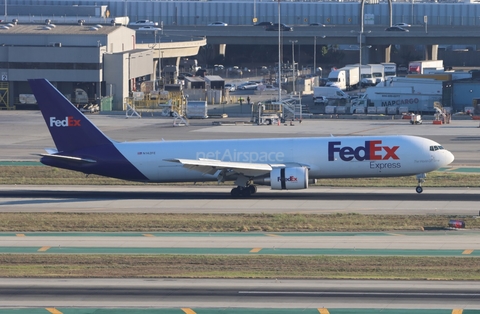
<point>216,199</point>
<point>24,133</point>
<point>240,296</point>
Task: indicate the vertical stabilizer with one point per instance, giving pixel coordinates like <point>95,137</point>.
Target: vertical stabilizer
<point>70,129</point>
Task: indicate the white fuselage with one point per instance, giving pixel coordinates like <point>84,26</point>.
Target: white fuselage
<point>329,157</point>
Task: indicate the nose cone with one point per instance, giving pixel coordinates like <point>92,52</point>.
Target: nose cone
<point>448,158</point>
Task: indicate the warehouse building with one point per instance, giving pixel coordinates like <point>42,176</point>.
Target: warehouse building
<point>98,60</point>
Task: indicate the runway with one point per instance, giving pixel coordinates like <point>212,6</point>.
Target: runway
<point>216,199</point>
<point>207,296</point>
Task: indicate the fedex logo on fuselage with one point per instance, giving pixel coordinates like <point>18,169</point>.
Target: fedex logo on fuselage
<point>373,150</point>
<point>69,121</point>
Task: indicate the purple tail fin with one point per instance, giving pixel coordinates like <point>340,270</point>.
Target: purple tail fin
<point>70,129</point>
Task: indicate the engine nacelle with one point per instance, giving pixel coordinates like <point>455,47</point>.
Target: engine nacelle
<point>294,178</point>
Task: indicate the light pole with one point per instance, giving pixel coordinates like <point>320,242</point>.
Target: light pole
<point>315,54</point>
<point>279,58</point>
<point>360,47</point>
<point>293,63</point>
<point>413,1</point>
<point>159,58</point>
<point>159,61</point>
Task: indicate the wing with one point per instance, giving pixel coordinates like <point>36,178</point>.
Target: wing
<point>211,166</point>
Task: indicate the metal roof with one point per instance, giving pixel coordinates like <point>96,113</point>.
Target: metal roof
<point>45,29</point>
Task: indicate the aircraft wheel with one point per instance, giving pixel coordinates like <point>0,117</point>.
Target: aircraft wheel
<point>419,189</point>
<point>235,192</point>
<point>252,188</point>
<point>246,192</point>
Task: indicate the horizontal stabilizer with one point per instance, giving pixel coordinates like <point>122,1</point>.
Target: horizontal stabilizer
<point>69,158</point>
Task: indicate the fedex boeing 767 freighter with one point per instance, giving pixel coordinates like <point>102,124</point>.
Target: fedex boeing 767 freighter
<point>282,163</point>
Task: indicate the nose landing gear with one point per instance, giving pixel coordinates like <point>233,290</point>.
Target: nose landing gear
<point>421,179</point>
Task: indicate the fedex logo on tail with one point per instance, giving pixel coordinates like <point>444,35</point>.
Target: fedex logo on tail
<point>372,150</point>
<point>67,122</point>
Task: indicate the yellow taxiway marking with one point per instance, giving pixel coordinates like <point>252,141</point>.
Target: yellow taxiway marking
<point>272,235</point>
<point>53,310</point>
<point>188,311</point>
<point>20,235</point>
<point>323,311</point>
<point>43,249</point>
<point>467,252</point>
<point>457,311</point>
<point>255,250</point>
<point>148,235</point>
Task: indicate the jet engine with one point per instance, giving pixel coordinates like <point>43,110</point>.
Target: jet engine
<point>294,178</point>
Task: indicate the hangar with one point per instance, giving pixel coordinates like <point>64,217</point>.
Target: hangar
<point>103,60</point>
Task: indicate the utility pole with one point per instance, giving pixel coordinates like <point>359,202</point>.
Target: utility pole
<point>279,57</point>
<point>293,63</point>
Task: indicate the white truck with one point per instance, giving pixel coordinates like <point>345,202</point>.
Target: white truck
<point>345,78</point>
<point>424,66</point>
<point>322,94</point>
<point>394,100</point>
<point>389,70</point>
<point>366,76</point>
<point>377,73</point>
<point>420,85</point>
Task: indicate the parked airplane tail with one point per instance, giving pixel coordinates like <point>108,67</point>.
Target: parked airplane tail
<point>70,129</point>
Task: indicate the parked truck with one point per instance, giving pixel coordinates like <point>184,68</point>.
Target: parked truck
<point>322,94</point>
<point>389,70</point>
<point>420,85</point>
<point>366,76</point>
<point>346,78</point>
<point>393,100</point>
<point>377,73</point>
<point>424,66</point>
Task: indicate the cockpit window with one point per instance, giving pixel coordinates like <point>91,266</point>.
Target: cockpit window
<point>435,147</point>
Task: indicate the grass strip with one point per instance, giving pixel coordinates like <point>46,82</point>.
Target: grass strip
<point>151,222</point>
<point>43,175</point>
<point>278,267</point>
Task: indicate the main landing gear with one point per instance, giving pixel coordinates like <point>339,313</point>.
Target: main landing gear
<point>243,191</point>
<point>244,188</point>
<point>421,179</point>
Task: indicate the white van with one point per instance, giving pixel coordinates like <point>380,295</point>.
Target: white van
<point>322,93</point>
